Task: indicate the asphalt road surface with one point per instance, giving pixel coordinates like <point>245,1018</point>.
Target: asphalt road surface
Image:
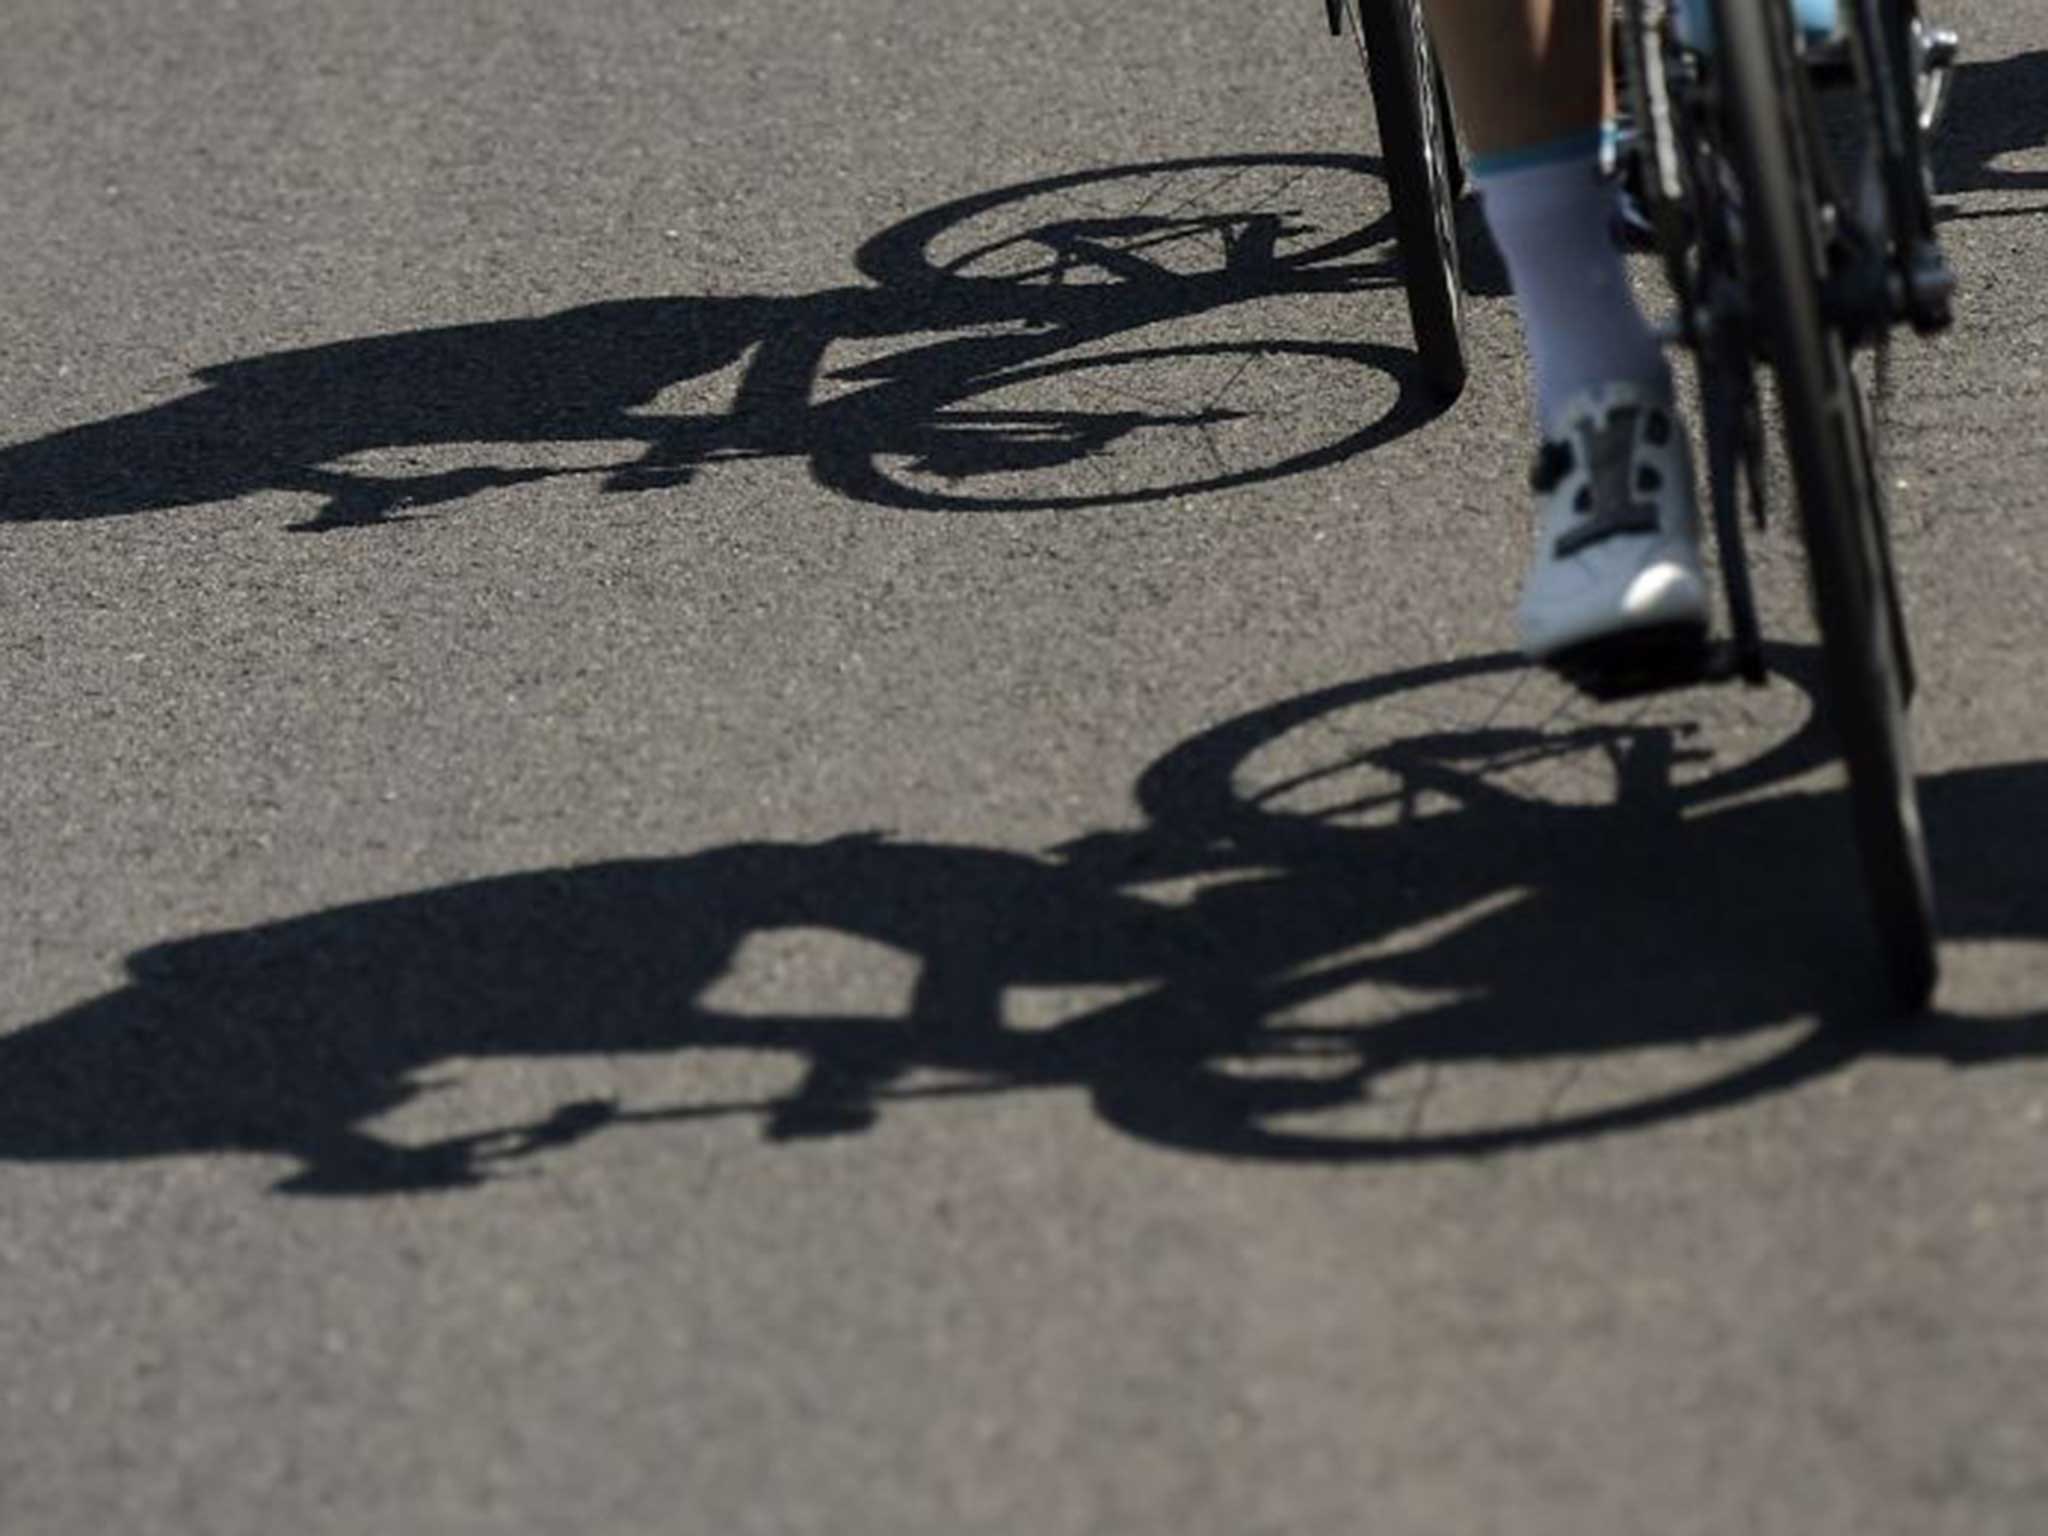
<point>756,776</point>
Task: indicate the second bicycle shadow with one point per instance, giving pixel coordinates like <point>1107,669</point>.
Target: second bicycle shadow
<point>1445,912</point>
<point>1103,338</point>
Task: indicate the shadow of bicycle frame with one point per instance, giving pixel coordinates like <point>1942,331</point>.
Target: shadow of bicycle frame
<point>1292,986</point>
<point>1052,274</point>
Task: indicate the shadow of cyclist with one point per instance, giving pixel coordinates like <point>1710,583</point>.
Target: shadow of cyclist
<point>631,392</point>
<point>1281,974</point>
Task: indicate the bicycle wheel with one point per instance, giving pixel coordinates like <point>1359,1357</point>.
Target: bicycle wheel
<point>1827,439</point>
<point>1418,147</point>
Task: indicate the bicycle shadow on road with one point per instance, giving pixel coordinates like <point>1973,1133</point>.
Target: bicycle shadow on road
<point>1387,948</point>
<point>1071,321</point>
<point>1997,112</point>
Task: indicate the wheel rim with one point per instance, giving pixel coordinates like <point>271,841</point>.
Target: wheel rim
<point>1435,137</point>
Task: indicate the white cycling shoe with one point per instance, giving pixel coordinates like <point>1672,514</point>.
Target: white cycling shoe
<point>1616,572</point>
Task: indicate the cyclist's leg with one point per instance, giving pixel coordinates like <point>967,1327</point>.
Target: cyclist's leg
<point>1522,73</point>
<point>1530,82</point>
<point>1617,555</point>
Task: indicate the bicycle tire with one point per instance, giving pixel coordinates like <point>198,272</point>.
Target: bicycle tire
<point>1841,514</point>
<point>1418,150</point>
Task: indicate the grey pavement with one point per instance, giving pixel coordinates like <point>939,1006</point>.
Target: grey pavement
<point>756,776</point>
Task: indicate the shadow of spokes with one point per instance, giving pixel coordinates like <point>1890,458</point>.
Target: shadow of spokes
<point>1433,914</point>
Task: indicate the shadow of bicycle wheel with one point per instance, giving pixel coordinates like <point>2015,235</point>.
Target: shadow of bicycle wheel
<point>1437,913</point>
<point>1050,345</point>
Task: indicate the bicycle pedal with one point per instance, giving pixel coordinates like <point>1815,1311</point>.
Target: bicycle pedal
<point>1645,661</point>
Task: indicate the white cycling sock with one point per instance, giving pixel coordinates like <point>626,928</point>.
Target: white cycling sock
<point>1551,215</point>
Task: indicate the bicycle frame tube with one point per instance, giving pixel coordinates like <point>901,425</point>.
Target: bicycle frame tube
<point>1924,282</point>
